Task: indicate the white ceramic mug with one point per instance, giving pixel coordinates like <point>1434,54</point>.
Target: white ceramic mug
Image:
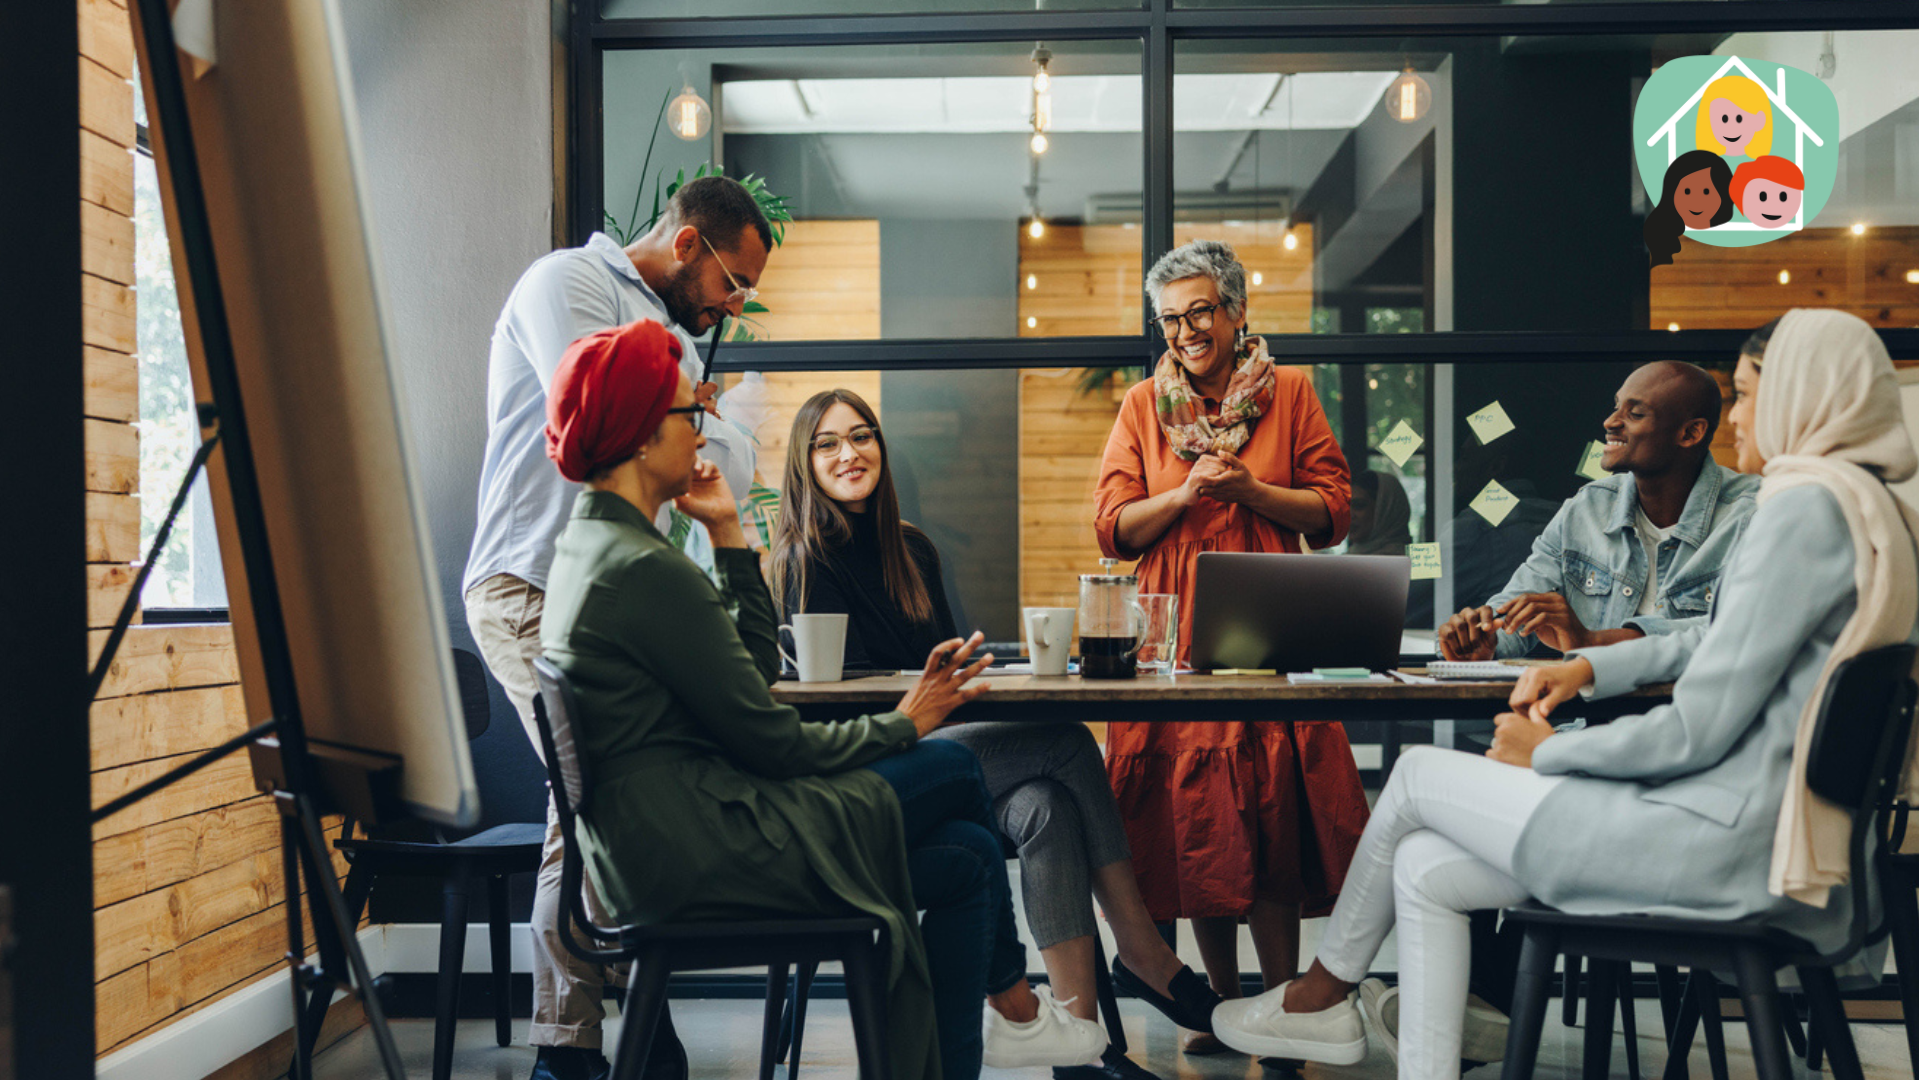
<point>820,641</point>
<point>1049,638</point>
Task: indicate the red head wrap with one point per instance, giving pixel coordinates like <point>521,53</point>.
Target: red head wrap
<point>609,394</point>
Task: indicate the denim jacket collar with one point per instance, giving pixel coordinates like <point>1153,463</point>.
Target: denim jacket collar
<point>1695,521</point>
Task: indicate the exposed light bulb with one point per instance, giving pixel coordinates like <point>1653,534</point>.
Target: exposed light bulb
<point>1036,229</point>
<point>1259,278</point>
<point>1038,142</point>
<point>1372,384</point>
<point>1031,322</point>
<point>1042,82</point>
<point>689,115</point>
<point>1290,242</point>
<point>1673,326</point>
<point>1912,277</point>
<point>1858,228</point>
<point>1408,98</point>
<point>1032,281</point>
<point>1042,112</point>
<point>1785,277</point>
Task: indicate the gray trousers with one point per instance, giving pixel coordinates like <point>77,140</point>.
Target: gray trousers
<point>1052,801</point>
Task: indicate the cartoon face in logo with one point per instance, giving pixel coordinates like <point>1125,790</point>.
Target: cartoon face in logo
<point>1733,126</point>
<point>1735,118</point>
<point>1698,199</point>
<point>1696,195</point>
<point>1768,191</point>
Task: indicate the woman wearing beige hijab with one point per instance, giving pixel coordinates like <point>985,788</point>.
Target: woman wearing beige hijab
<point>1698,808</point>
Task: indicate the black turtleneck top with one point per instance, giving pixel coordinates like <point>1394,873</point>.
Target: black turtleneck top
<point>850,580</point>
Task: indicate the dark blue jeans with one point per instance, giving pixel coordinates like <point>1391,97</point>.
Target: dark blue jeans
<point>959,879</point>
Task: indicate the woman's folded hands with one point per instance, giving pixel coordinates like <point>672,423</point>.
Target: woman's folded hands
<point>946,684</point>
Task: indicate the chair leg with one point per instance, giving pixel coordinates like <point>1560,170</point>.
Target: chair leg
<point>1682,1021</point>
<point>1759,990</point>
<point>640,1016</point>
<point>499,927</point>
<point>1569,1002</point>
<point>1795,1035</point>
<point>796,1016</point>
<point>1532,989</point>
<point>1902,908</point>
<point>453,903</point>
<point>1602,992</point>
<point>1108,1000</point>
<point>1628,1021</point>
<point>770,1026</point>
<point>866,1000</point>
<point>1829,1022</point>
<point>1706,993</point>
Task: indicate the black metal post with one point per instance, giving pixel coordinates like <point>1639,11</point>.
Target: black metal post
<point>46,846</point>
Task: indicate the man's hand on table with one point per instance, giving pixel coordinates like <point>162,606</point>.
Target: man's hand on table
<point>1469,635</point>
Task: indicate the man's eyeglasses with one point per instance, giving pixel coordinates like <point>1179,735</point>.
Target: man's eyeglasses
<point>695,415</point>
<point>742,293</point>
<point>862,438</point>
<point>1199,318</point>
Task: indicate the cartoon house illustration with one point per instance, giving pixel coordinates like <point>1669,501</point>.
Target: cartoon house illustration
<point>1777,95</point>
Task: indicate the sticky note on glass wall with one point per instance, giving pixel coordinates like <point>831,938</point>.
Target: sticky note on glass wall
<point>1425,560</point>
<point>1494,502</point>
<point>1589,466</point>
<point>1400,444</point>
<point>1490,422</point>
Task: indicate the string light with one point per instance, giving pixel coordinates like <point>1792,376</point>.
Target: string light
<point>1259,278</point>
<point>1912,277</point>
<point>1673,326</point>
<point>1291,241</point>
<point>1042,118</point>
<point>1032,281</point>
<point>1858,228</point>
<point>1038,143</point>
<point>1785,277</point>
<point>1036,229</point>
<point>1031,322</point>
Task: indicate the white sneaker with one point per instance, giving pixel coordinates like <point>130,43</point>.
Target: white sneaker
<point>1055,1037</point>
<point>1261,1026</point>
<point>1485,1030</point>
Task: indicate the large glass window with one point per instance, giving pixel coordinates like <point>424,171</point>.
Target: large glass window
<point>964,191</point>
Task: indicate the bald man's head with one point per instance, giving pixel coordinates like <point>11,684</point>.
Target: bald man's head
<point>1664,416</point>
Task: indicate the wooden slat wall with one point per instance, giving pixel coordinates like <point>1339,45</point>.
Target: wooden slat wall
<point>1087,280</point>
<point>821,283</point>
<point>1738,288</point>
<point>187,884</point>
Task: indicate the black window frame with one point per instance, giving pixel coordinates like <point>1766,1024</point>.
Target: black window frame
<point>1157,25</point>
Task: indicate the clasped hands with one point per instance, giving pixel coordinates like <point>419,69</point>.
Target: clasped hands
<point>1539,691</point>
<point>1221,476</point>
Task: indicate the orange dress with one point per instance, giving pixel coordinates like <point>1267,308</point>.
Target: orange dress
<point>1219,814</point>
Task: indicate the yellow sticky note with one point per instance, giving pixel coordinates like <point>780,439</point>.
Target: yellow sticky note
<point>1400,444</point>
<point>1425,560</point>
<point>1589,466</point>
<point>1494,502</point>
<point>1490,423</point>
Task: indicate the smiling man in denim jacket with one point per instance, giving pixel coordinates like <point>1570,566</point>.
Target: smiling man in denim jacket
<point>1637,553</point>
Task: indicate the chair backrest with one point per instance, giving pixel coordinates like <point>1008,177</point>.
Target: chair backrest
<point>1858,753</point>
<point>555,712</point>
<point>476,704</point>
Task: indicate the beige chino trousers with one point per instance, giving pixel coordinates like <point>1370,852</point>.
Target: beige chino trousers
<point>503,612</point>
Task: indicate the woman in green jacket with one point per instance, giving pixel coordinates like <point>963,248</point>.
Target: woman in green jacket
<point>712,801</point>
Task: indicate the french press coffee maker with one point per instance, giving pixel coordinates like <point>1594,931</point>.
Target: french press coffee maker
<point>1111,623</point>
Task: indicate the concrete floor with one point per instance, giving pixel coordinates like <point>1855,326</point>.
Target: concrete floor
<point>722,1039</point>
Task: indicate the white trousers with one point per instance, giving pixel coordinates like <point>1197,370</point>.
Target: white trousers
<point>1440,844</point>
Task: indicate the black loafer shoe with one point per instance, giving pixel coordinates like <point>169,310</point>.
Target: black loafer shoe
<point>1113,1065</point>
<point>1190,1006</point>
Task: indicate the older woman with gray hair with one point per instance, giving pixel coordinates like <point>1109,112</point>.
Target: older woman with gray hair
<point>1222,450</point>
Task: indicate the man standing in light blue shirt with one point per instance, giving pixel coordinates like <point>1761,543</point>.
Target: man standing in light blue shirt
<point>700,263</point>
<point>1637,553</point>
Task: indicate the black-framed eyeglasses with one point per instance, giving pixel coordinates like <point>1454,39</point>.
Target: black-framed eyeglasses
<point>695,415</point>
<point>1199,318</point>
<point>861,437</point>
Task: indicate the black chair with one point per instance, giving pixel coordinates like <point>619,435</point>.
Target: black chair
<point>491,856</point>
<point>1900,878</point>
<point>790,1004</point>
<point>1856,755</point>
<point>656,951</point>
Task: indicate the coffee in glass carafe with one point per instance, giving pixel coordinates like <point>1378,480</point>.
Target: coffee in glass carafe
<point>1110,623</point>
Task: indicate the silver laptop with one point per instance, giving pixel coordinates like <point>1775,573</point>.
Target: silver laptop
<point>1299,612</point>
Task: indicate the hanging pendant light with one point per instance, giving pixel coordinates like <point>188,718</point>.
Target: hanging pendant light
<point>1409,97</point>
<point>1042,117</point>
<point>689,115</point>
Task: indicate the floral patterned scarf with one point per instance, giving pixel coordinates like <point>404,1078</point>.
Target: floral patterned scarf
<point>1248,396</point>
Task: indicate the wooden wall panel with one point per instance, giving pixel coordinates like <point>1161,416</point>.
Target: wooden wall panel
<point>1738,288</point>
<point>187,884</point>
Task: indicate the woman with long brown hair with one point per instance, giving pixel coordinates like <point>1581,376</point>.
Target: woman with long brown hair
<point>841,547</point>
